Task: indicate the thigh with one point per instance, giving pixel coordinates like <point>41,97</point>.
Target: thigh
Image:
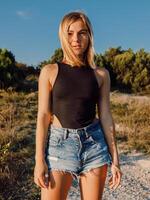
<point>92,183</point>
<point>59,184</point>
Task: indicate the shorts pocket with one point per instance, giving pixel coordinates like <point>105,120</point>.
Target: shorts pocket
<point>98,137</point>
<point>55,140</point>
<point>71,143</point>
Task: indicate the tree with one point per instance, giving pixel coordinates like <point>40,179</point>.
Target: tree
<point>99,60</point>
<point>109,56</point>
<point>123,65</point>
<point>57,56</point>
<point>7,68</point>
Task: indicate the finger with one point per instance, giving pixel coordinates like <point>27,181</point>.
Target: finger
<point>41,181</point>
<point>116,185</point>
<point>114,179</point>
<point>36,181</point>
<point>39,184</point>
<point>111,185</point>
<point>118,180</point>
<point>46,179</point>
<point>111,182</point>
<point>110,179</point>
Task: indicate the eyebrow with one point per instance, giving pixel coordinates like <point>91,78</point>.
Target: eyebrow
<point>79,31</point>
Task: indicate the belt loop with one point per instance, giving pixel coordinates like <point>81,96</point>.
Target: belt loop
<point>86,133</point>
<point>66,134</point>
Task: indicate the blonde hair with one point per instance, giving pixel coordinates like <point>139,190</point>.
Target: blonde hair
<point>69,55</point>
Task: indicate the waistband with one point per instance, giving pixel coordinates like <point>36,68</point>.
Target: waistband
<point>78,130</point>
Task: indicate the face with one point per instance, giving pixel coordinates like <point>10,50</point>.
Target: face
<point>78,37</point>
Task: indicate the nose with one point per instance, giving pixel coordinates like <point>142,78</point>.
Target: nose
<point>76,37</point>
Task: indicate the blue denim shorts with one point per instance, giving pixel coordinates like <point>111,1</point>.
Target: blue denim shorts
<point>76,150</point>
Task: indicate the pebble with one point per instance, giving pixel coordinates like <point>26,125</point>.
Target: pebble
<point>135,184</point>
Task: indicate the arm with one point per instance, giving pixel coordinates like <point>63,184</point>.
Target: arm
<point>43,115</point>
<point>105,115</point>
<point>43,120</point>
<point>108,126</point>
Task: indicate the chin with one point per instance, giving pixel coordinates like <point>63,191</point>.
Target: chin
<point>79,54</point>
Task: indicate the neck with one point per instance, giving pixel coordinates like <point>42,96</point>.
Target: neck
<point>82,59</point>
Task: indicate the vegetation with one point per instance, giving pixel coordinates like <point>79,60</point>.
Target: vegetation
<point>17,132</point>
<point>14,75</point>
<point>131,116</point>
<point>129,72</point>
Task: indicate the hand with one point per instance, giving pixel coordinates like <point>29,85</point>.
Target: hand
<point>115,179</point>
<point>41,176</point>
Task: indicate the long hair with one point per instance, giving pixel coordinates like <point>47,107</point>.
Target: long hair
<point>69,55</point>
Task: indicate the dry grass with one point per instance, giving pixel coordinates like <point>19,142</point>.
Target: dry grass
<point>132,118</point>
<point>17,137</point>
<point>17,131</point>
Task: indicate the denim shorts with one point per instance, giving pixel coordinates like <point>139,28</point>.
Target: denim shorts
<point>76,150</point>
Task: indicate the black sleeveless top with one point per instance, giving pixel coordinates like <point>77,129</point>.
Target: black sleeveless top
<point>74,95</point>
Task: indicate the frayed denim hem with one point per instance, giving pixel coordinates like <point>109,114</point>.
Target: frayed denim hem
<point>94,167</point>
<point>73,174</point>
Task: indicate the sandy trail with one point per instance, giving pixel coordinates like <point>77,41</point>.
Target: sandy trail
<point>135,181</point>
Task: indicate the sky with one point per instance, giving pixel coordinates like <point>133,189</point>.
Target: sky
<point>29,28</point>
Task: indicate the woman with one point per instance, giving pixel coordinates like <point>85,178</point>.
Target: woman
<point>77,144</point>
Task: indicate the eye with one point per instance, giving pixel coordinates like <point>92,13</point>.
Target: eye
<point>84,33</point>
<point>69,33</point>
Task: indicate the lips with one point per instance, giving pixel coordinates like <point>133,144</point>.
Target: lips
<point>78,46</point>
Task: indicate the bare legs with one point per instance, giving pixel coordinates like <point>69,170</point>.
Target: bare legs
<point>59,185</point>
<point>91,185</point>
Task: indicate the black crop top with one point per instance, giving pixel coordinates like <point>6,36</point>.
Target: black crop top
<point>74,95</point>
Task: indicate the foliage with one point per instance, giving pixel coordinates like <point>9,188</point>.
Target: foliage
<point>7,70</point>
<point>129,71</point>
<point>56,57</point>
<point>13,74</point>
<point>17,132</point>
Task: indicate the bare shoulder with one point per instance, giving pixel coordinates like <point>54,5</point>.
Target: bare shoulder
<point>49,68</point>
<point>49,71</point>
<point>102,75</point>
<point>102,72</point>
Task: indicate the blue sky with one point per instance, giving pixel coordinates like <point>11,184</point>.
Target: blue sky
<point>29,28</point>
